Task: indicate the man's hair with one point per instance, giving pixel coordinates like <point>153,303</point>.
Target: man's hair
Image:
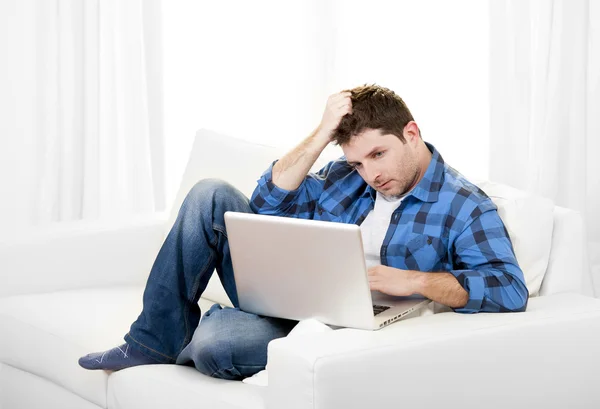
<point>373,107</point>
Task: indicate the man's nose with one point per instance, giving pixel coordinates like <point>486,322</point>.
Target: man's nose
<point>372,174</point>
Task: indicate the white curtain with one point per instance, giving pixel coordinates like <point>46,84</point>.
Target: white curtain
<point>88,128</point>
<point>545,102</point>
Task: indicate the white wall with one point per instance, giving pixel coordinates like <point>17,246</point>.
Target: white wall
<point>248,69</point>
<point>262,70</point>
<point>434,54</point>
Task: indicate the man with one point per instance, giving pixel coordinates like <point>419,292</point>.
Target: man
<point>426,230</point>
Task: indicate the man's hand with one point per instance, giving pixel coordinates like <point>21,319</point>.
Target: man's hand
<point>290,171</point>
<point>440,287</point>
<point>337,106</point>
<point>393,281</point>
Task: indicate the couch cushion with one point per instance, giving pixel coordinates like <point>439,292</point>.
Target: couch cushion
<point>529,220</point>
<point>172,386</point>
<point>45,334</point>
<point>16,387</point>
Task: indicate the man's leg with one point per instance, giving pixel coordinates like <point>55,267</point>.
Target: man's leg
<point>195,246</point>
<point>232,344</point>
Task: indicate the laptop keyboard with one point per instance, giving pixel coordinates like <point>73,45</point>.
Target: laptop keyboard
<point>378,309</point>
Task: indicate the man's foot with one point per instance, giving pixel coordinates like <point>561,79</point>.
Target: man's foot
<point>120,357</point>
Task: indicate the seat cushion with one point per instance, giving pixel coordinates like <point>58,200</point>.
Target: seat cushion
<point>173,386</point>
<point>45,334</point>
<point>16,387</point>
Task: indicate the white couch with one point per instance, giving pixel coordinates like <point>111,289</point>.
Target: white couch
<point>76,287</point>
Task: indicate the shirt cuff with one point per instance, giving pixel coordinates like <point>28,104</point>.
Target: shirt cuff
<point>474,285</point>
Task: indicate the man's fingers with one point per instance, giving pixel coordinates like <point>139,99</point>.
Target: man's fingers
<point>338,97</point>
<point>375,286</point>
<point>342,94</point>
<point>342,98</point>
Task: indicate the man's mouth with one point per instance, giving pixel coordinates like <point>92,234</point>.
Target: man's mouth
<point>383,185</point>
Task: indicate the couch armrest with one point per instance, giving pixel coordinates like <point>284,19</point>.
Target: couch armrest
<point>547,354</point>
<point>80,254</point>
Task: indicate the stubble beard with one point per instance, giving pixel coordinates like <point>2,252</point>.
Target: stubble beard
<point>406,184</point>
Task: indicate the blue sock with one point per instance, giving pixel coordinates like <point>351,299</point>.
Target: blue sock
<point>120,357</point>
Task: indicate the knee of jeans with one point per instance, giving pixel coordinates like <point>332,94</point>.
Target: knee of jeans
<point>207,358</point>
<point>207,188</point>
<point>212,356</point>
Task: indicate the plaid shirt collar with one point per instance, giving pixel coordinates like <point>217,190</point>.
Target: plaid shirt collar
<point>428,189</point>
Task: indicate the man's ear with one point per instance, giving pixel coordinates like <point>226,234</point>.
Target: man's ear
<point>411,132</point>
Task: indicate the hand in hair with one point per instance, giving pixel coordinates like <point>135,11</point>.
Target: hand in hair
<point>337,106</point>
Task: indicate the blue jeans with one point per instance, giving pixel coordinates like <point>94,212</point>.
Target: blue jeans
<point>229,343</point>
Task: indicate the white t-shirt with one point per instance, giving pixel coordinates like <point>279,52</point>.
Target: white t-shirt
<point>375,226</point>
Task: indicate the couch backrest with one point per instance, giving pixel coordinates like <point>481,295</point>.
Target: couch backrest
<point>542,235</point>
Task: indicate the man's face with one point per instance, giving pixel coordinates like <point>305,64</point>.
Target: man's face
<point>386,163</point>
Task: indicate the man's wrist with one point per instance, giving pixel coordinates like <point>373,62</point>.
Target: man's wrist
<point>419,282</point>
<point>323,134</point>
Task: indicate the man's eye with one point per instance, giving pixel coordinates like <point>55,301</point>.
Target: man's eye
<point>378,154</point>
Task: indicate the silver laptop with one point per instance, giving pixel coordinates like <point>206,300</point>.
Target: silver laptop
<point>299,269</point>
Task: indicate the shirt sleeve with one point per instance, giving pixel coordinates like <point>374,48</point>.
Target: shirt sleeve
<point>270,199</point>
<point>487,267</point>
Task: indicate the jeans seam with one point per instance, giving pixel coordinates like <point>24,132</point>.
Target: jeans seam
<point>147,347</point>
<point>186,314</point>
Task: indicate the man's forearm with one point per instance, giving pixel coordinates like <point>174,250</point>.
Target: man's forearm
<point>442,288</point>
<point>290,171</point>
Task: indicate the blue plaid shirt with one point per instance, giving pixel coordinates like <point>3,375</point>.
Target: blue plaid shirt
<point>444,224</point>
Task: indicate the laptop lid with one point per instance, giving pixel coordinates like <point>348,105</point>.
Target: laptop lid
<point>299,269</point>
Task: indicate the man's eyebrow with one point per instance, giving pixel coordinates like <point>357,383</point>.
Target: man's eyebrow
<point>375,149</point>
